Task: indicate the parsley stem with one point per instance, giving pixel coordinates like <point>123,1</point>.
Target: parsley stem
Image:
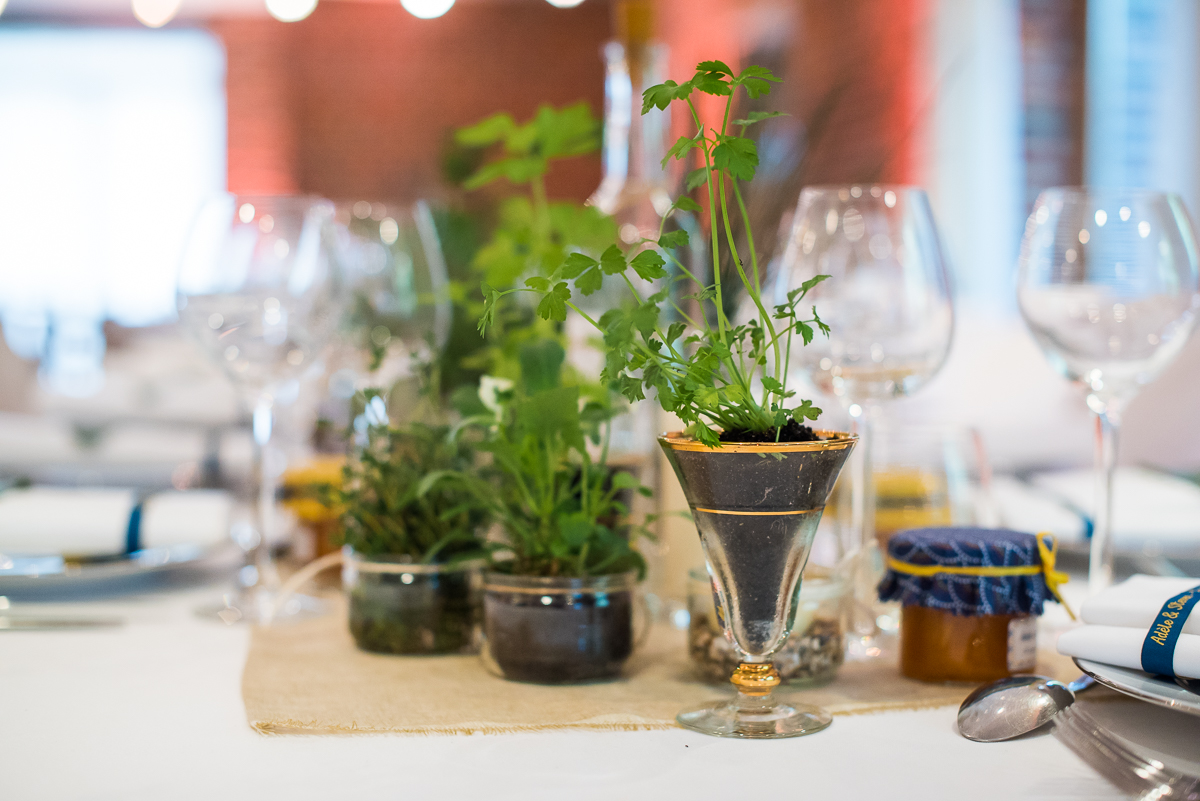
<point>712,212</point>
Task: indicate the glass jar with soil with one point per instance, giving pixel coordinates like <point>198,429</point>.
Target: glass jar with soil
<point>557,630</point>
<point>402,608</point>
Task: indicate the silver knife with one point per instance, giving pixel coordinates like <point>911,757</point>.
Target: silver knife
<point>35,623</point>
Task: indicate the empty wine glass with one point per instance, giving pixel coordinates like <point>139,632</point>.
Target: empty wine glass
<point>1108,285</point>
<point>888,304</point>
<point>259,291</point>
<point>398,309</point>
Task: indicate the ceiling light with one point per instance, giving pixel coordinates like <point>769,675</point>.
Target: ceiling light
<point>155,13</point>
<point>564,3</point>
<point>427,9</point>
<point>290,10</point>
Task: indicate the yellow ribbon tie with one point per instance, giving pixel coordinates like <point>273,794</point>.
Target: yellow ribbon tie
<point>1048,553</point>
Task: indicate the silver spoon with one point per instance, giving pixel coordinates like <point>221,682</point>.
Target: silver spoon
<point>1011,707</point>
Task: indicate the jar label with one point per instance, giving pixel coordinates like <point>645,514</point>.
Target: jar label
<point>1022,644</point>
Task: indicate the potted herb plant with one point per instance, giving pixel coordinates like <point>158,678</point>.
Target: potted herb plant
<point>755,474</point>
<point>413,567</point>
<point>559,594</point>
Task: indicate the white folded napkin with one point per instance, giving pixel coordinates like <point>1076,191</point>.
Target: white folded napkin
<point>61,520</point>
<point>95,522</point>
<point>1117,621</point>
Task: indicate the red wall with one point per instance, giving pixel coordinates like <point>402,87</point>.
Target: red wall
<point>357,101</point>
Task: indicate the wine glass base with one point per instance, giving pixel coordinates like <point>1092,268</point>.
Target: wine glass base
<point>770,718</point>
<point>257,607</point>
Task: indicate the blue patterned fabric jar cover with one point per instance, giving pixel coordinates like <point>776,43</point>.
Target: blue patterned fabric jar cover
<point>922,550</point>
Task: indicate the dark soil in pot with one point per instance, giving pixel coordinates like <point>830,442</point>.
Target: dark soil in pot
<point>430,614</point>
<point>789,432</point>
<point>559,637</point>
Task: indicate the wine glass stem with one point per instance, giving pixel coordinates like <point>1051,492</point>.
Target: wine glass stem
<point>260,554</point>
<point>1100,563</point>
<point>862,503</point>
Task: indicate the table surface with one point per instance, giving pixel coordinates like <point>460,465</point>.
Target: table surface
<point>153,710</point>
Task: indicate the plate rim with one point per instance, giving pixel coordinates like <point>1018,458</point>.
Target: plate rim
<point>1097,670</point>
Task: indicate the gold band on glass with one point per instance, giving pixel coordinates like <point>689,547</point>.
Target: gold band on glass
<point>731,512</point>
<point>835,441</point>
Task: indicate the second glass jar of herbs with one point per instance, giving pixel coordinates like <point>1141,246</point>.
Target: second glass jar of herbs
<point>413,565</point>
<point>559,595</point>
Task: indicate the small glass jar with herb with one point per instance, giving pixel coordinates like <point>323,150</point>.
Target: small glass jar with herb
<point>414,552</point>
<point>559,595</point>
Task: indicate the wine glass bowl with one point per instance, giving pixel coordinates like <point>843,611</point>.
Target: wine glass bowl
<point>255,286</point>
<point>398,313</point>
<point>1109,285</point>
<point>887,298</point>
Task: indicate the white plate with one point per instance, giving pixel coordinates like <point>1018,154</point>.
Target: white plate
<point>38,578</point>
<point>1145,687</point>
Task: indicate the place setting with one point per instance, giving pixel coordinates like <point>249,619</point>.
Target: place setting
<point>693,389</point>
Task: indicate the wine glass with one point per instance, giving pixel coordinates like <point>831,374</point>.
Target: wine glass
<point>1108,285</point>
<point>888,304</point>
<point>259,292</point>
<point>398,313</point>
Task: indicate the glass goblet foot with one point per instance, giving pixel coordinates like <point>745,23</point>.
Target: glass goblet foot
<point>756,713</point>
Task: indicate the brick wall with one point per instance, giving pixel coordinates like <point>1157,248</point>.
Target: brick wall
<point>357,101</point>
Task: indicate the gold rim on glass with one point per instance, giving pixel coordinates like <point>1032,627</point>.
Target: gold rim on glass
<point>834,440</point>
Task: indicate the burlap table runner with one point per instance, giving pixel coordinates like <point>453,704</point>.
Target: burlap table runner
<point>309,677</point>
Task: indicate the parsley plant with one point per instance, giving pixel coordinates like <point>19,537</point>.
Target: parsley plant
<point>724,376</point>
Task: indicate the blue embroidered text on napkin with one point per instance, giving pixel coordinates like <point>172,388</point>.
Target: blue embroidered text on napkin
<point>1158,649</point>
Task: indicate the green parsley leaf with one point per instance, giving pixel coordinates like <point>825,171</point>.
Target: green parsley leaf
<point>648,265</point>
<point>738,156</point>
<point>759,116</point>
<point>681,148</point>
<point>659,96</point>
<point>755,79</point>
<point>675,331</point>
<point>714,66</point>
<point>685,203</point>
<point>491,297</point>
<point>554,305</point>
<point>805,411</point>
<point>711,83</point>
<point>612,261</point>
<point>810,283</point>
<point>805,331</point>
<point>673,239</point>
<point>486,132</point>
<point>694,179</point>
<point>590,281</point>
<point>575,264</point>
<point>645,319</point>
<point>538,284</point>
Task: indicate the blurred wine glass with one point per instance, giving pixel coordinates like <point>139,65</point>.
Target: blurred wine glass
<point>888,304</point>
<point>1108,286</point>
<point>259,291</point>
<point>398,309</point>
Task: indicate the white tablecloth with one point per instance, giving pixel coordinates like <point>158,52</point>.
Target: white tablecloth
<point>153,711</point>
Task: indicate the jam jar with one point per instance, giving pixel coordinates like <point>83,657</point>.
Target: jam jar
<point>971,598</point>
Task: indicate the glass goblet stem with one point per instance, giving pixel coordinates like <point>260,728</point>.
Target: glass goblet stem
<point>1100,561</point>
<point>263,423</point>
